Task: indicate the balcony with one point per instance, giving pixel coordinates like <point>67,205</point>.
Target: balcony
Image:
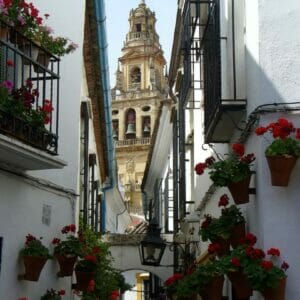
<point>224,100</point>
<point>133,142</point>
<point>29,102</point>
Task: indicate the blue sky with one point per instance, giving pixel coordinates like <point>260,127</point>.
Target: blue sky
<point>117,12</point>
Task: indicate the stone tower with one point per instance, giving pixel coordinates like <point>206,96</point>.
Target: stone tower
<point>140,88</point>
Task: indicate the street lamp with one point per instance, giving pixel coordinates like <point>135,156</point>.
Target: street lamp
<point>152,246</point>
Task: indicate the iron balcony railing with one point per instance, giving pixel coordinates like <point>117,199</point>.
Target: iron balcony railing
<point>201,45</point>
<point>133,142</point>
<point>30,74</point>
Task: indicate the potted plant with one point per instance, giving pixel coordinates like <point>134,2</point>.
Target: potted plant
<point>248,270</point>
<point>207,280</point>
<point>171,283</point>
<point>56,46</point>
<point>217,230</point>
<point>53,295</point>
<point>85,270</point>
<point>19,107</point>
<point>22,16</point>
<point>284,150</point>
<point>233,171</point>
<point>233,219</point>
<point>67,251</point>
<point>35,255</point>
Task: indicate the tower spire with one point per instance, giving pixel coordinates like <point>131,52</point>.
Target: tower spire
<point>143,2</point>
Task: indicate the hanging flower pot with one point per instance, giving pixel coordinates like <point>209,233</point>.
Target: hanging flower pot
<point>275,293</point>
<point>238,232</point>
<point>281,168</point>
<point>83,280</point>
<point>213,290</point>
<point>240,191</point>
<point>240,285</point>
<point>224,246</point>
<point>33,267</point>
<point>66,264</point>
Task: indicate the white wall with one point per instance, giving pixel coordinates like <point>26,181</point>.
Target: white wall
<point>20,214</point>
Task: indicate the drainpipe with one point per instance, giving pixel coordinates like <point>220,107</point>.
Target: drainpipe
<point>102,45</point>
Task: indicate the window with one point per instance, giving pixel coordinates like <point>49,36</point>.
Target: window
<point>138,27</point>
<point>146,122</point>
<point>130,124</point>
<point>135,78</point>
<point>115,125</point>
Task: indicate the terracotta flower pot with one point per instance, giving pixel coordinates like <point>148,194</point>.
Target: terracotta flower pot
<point>224,246</point>
<point>281,168</point>
<point>240,191</point>
<point>213,290</point>
<point>83,279</point>
<point>277,293</point>
<point>240,285</point>
<point>3,32</point>
<point>33,267</point>
<point>238,232</point>
<point>66,264</point>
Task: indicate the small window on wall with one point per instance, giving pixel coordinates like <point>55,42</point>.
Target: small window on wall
<point>138,27</point>
<point>135,78</point>
<point>115,125</point>
<point>146,126</point>
<point>130,132</point>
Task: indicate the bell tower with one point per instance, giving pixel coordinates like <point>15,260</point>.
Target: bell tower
<point>140,87</point>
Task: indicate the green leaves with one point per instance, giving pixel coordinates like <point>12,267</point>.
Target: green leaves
<point>282,147</point>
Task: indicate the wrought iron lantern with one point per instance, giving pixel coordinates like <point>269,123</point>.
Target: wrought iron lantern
<point>152,247</point>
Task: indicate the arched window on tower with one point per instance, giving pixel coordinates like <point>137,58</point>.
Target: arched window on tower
<point>135,78</point>
<point>115,127</point>
<point>146,129</point>
<point>130,124</point>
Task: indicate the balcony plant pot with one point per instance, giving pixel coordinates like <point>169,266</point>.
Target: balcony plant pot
<point>224,246</point>
<point>16,37</point>
<point>213,290</point>
<point>66,264</point>
<point>29,50</point>
<point>275,293</point>
<point>238,232</point>
<point>281,168</point>
<point>3,31</point>
<point>83,279</point>
<point>240,191</point>
<point>33,267</point>
<point>43,59</point>
<point>240,285</point>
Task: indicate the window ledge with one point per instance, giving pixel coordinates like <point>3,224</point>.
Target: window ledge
<point>25,157</point>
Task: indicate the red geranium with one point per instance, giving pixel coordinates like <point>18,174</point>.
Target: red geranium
<point>235,262</point>
<point>285,266</point>
<point>266,264</point>
<point>224,200</point>
<point>238,149</point>
<point>200,167</point>
<point>273,252</point>
<point>214,248</point>
<point>174,278</point>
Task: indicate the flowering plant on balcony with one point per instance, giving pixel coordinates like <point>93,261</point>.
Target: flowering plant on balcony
<point>34,247</point>
<point>224,171</point>
<point>53,294</point>
<point>58,46</point>
<point>69,247</point>
<point>286,138</point>
<point>20,14</point>
<point>20,103</point>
